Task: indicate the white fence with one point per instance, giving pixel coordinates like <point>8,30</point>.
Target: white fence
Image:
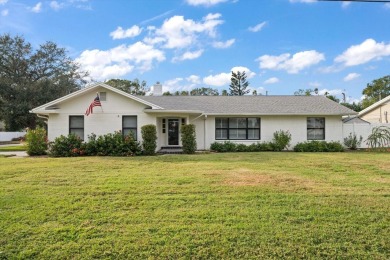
<point>363,130</point>
<point>8,136</point>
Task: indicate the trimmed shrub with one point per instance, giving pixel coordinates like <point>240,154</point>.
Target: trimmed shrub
<point>352,142</point>
<point>228,146</point>
<point>36,141</point>
<point>281,140</point>
<point>188,138</point>
<point>319,146</point>
<point>67,146</point>
<point>149,137</point>
<point>114,144</point>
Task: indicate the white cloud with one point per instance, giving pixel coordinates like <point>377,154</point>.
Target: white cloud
<point>177,32</point>
<point>56,6</point>
<point>224,45</point>
<point>332,92</point>
<point>366,51</point>
<point>120,60</point>
<point>193,79</point>
<point>204,2</point>
<point>351,76</point>
<point>292,64</point>
<point>3,2</point>
<point>224,78</point>
<point>188,56</point>
<point>4,12</point>
<point>387,5</point>
<point>119,33</point>
<point>37,8</point>
<point>272,80</point>
<point>257,27</point>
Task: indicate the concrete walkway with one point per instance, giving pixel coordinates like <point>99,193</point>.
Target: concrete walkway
<point>16,154</point>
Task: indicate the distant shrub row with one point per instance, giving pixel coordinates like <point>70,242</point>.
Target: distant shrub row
<point>319,146</point>
<point>311,146</point>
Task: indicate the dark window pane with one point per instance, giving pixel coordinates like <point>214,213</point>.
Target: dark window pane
<point>315,134</point>
<point>221,122</point>
<point>253,134</point>
<point>237,134</point>
<point>77,122</point>
<point>221,134</point>
<point>253,122</point>
<point>237,123</point>
<point>129,122</point>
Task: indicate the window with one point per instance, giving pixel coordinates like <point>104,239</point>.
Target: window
<point>76,126</point>
<point>315,128</point>
<point>237,128</point>
<point>103,96</point>
<point>163,126</point>
<point>129,125</point>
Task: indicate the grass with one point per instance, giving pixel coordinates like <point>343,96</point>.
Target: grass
<point>209,206</point>
<point>13,148</point>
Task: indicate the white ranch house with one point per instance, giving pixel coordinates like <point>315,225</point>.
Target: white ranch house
<point>242,119</point>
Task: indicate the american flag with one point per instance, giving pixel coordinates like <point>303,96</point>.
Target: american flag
<point>95,103</point>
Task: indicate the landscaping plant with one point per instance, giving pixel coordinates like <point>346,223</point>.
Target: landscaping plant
<point>352,142</point>
<point>281,140</point>
<point>149,137</point>
<point>36,141</point>
<point>379,138</point>
<point>188,138</point>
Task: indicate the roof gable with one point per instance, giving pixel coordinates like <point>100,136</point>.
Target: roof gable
<point>51,105</point>
<point>374,106</point>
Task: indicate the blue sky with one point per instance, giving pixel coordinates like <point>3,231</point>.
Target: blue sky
<point>283,45</point>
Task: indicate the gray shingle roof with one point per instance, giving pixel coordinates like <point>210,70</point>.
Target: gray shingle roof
<point>261,105</point>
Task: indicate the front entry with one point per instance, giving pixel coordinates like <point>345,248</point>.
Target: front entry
<point>173,131</point>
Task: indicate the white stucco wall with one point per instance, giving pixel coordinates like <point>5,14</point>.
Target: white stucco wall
<point>297,125</point>
<point>105,119</point>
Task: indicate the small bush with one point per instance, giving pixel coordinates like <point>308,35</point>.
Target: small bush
<point>242,148</point>
<point>319,146</point>
<point>281,140</point>
<point>149,137</point>
<point>352,142</point>
<point>36,141</point>
<point>67,146</point>
<point>188,138</point>
<point>223,147</point>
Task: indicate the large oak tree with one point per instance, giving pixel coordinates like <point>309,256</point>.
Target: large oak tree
<point>31,77</point>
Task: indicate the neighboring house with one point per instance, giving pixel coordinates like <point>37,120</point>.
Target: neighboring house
<point>378,112</point>
<point>243,119</point>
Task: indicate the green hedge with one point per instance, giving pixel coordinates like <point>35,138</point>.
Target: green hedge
<point>228,146</point>
<point>149,137</point>
<point>319,146</point>
<point>188,138</point>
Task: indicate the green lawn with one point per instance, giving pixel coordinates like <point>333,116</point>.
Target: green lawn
<point>209,206</point>
<point>13,148</point>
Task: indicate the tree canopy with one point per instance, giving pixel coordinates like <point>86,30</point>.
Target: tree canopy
<point>30,78</point>
<point>238,84</point>
<point>376,90</point>
<point>134,87</point>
